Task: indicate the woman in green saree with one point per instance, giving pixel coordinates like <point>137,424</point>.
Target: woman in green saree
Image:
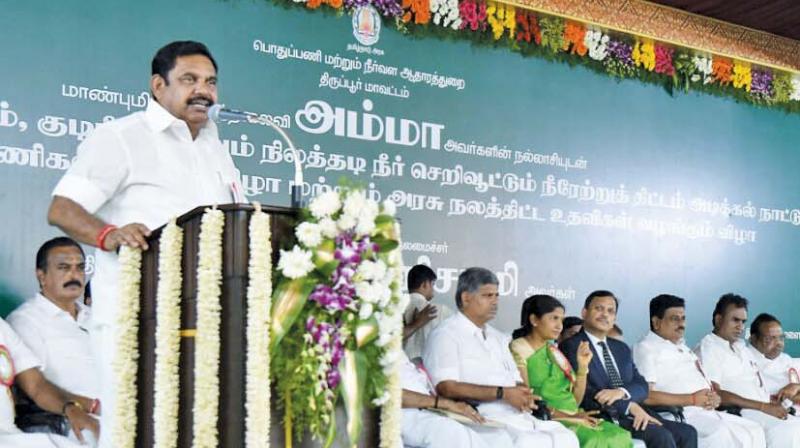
<point>548,372</point>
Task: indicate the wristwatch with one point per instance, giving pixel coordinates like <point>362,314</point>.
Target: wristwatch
<point>499,393</point>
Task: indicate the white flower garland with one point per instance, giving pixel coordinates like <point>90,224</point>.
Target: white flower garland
<point>206,369</point>
<point>259,293</point>
<point>168,339</point>
<point>391,413</point>
<point>125,359</point>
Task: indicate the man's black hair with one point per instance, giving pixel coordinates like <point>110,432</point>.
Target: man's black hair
<point>165,58</point>
<point>44,250</point>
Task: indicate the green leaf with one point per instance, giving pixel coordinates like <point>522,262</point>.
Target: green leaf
<point>354,373</point>
<point>288,300</point>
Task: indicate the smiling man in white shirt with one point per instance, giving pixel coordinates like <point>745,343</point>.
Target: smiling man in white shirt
<point>677,378</point>
<point>54,323</point>
<point>134,174</point>
<point>470,360</point>
<point>732,369</point>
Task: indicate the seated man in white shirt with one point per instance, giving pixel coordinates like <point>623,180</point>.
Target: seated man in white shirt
<point>18,365</point>
<point>677,378</point>
<point>421,316</point>
<point>470,360</point>
<point>780,372</point>
<point>735,374</point>
<point>423,428</point>
<point>54,324</point>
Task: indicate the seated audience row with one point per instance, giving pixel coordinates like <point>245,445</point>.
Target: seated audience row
<point>474,386</point>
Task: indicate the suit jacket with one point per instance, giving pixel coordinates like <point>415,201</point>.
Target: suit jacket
<point>598,378</point>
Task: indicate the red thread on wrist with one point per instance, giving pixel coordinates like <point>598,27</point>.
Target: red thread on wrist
<point>694,400</point>
<point>101,237</point>
<point>95,406</point>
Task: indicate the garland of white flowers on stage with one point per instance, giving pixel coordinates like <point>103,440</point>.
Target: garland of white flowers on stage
<point>207,341</point>
<point>127,348</point>
<point>337,318</point>
<point>391,412</point>
<point>168,338</point>
<point>259,292</point>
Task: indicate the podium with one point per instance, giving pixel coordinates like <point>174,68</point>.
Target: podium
<point>231,422</point>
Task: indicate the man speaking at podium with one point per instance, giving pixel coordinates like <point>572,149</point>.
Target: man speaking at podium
<point>134,174</point>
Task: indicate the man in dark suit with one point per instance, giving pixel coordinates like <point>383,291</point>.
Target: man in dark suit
<point>614,386</point>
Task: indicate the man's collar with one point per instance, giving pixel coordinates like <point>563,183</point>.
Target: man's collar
<point>594,339</point>
<point>52,310</point>
<point>722,341</point>
<point>468,324</point>
<point>159,119</point>
<point>657,337</point>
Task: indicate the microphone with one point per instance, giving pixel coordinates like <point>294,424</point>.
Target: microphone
<point>218,113</point>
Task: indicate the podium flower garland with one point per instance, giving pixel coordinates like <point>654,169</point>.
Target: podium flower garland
<point>207,343</point>
<point>168,339</point>
<point>259,291</point>
<point>337,315</point>
<point>127,355</point>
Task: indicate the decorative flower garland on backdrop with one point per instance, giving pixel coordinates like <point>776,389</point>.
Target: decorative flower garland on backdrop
<point>259,292</point>
<point>127,354</point>
<point>168,338</point>
<point>207,340</point>
<point>337,315</point>
<point>616,54</point>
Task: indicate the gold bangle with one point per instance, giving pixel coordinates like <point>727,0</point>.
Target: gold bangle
<point>583,373</point>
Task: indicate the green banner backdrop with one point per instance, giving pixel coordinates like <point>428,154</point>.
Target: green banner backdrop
<point>561,180</point>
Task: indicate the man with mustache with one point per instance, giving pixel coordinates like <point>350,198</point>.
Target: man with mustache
<point>677,378</point>
<point>54,323</point>
<point>781,372</point>
<point>134,174</point>
<point>734,373</point>
<point>614,385</point>
<point>469,360</point>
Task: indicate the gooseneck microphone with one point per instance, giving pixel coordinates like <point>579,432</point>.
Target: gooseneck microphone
<point>218,113</point>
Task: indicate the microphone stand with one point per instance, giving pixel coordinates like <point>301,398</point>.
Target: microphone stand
<point>297,188</point>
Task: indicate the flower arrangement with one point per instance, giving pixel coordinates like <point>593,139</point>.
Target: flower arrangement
<point>168,339</point>
<point>617,54</point>
<point>337,314</point>
<point>127,355</point>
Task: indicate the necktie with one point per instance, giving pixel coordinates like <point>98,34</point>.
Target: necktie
<point>608,363</point>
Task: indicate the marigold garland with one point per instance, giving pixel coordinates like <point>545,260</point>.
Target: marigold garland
<point>528,27</point>
<point>644,54</point>
<point>574,35</point>
<point>127,354</point>
<point>501,17</point>
<point>259,303</point>
<point>418,10</point>
<point>168,340</point>
<point>742,77</point>
<point>207,341</point>
<point>722,69</point>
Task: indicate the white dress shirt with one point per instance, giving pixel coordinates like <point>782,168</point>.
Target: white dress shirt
<point>23,360</point>
<point>732,367</point>
<point>459,350</point>
<point>145,168</point>
<point>415,343</point>
<point>595,341</point>
<point>669,367</point>
<point>60,342</point>
<point>413,379</point>
<point>775,372</point>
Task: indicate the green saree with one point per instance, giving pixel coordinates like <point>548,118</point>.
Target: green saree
<point>542,373</point>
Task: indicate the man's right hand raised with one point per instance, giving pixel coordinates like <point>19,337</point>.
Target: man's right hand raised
<point>132,235</point>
